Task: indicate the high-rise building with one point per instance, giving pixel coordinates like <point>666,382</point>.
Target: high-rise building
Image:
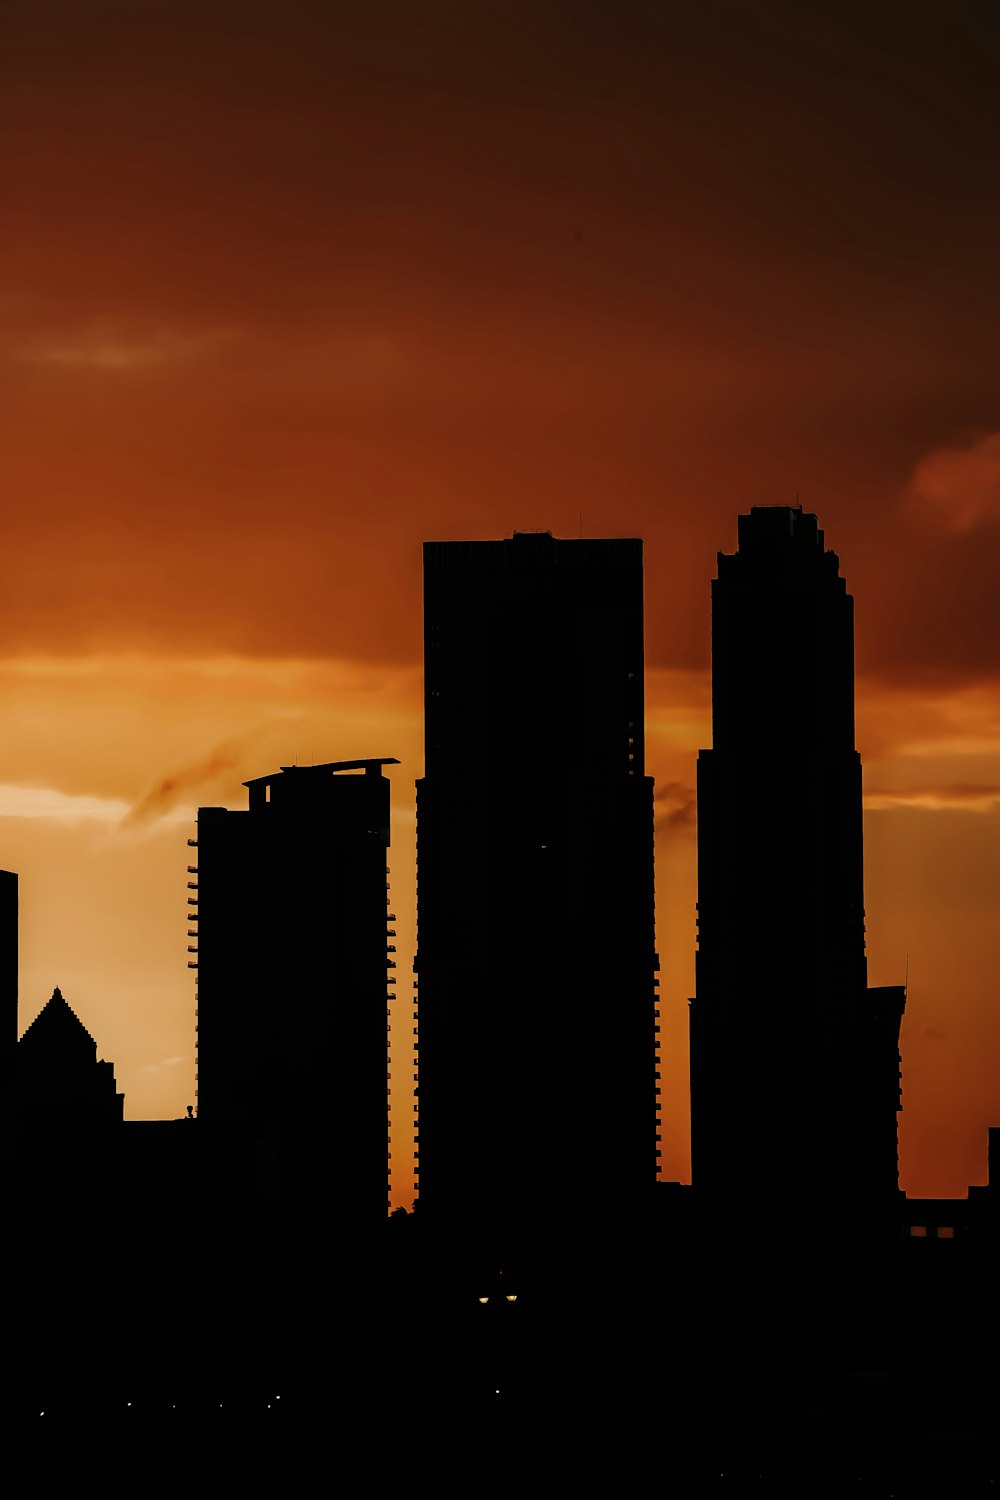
<point>536,962</point>
<point>291,907</point>
<point>8,992</point>
<point>794,1060</point>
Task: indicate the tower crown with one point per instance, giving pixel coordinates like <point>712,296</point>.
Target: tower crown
<point>768,526</point>
<point>58,1030</point>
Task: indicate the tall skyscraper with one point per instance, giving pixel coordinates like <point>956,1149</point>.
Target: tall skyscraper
<point>8,992</point>
<point>794,1060</point>
<point>536,962</point>
<point>292,961</point>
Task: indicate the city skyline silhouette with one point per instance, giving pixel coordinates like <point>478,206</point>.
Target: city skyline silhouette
<point>252,368</point>
<point>499,617</point>
<point>796,1250</point>
<point>299,297</point>
<point>671,1104</point>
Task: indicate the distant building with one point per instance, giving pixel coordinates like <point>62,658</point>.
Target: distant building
<point>291,909</point>
<point>8,989</point>
<point>795,1082</point>
<point>63,1090</point>
<point>536,962</point>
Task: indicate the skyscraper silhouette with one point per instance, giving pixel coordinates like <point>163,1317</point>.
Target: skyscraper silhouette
<point>794,1060</point>
<point>8,992</point>
<point>292,959</point>
<point>536,963</point>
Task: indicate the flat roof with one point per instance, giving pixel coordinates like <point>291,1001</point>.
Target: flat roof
<point>330,765</point>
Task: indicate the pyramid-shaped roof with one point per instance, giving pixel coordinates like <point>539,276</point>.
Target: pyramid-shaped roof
<point>58,1032</point>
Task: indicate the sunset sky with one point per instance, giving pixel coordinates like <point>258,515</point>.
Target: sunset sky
<point>290,286</point>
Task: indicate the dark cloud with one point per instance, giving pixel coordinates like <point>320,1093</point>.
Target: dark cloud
<point>177,786</point>
<point>675,806</point>
<point>290,289</point>
<point>962,484</point>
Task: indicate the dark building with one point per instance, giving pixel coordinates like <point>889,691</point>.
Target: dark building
<point>536,962</point>
<point>63,1089</point>
<point>67,1200</point>
<point>291,908</point>
<point>8,992</point>
<point>795,1082</point>
<point>8,956</point>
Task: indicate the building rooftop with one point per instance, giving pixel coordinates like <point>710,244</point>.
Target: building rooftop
<point>370,767</point>
<point>772,525</point>
<point>56,1022</point>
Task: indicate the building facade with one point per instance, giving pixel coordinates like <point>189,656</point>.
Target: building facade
<point>795,1082</point>
<point>536,963</point>
<point>291,928</point>
<point>8,994</point>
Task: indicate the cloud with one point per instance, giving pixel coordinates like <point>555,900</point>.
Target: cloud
<point>961,797</point>
<point>933,721</point>
<point>100,348</point>
<point>962,484</point>
<point>675,805</point>
<point>171,790</point>
<point>64,807</point>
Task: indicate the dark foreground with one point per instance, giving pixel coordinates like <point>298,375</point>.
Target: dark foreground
<point>724,1431</point>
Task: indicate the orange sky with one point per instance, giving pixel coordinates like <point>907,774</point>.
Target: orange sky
<point>288,288</point>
